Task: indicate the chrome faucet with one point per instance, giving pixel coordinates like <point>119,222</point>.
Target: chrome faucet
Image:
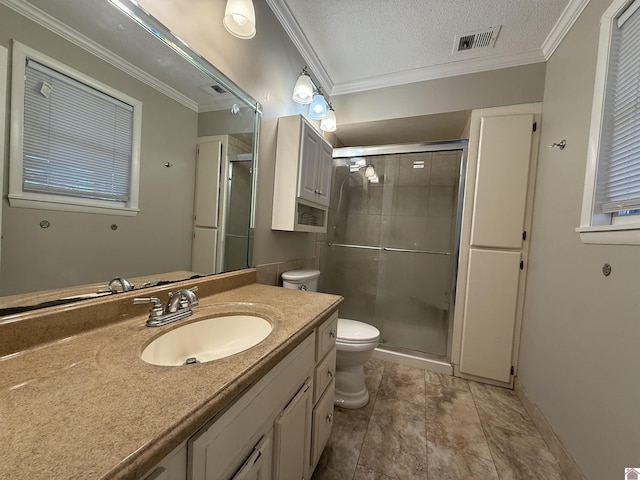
<point>182,299</point>
<point>178,307</point>
<point>123,282</point>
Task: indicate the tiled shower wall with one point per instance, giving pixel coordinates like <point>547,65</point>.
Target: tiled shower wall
<point>413,207</point>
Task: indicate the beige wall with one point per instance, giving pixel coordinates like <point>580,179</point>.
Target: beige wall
<point>507,86</point>
<point>83,248</point>
<point>580,354</point>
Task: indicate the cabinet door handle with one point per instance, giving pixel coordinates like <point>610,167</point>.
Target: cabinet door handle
<point>330,418</point>
<point>332,334</point>
<point>330,372</point>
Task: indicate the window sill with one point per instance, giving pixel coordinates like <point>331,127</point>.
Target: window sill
<point>624,234</point>
<point>23,201</point>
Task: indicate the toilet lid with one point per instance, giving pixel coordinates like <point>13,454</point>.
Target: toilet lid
<point>352,331</point>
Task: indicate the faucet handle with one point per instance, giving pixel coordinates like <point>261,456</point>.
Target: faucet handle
<point>156,309</point>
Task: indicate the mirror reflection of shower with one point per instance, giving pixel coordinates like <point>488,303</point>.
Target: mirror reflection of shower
<point>392,241</point>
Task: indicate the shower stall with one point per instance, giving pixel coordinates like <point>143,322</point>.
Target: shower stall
<point>393,234</point>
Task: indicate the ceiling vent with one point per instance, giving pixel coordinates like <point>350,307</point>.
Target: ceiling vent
<point>213,89</point>
<point>476,40</point>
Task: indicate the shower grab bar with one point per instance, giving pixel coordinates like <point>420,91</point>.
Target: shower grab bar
<point>387,249</point>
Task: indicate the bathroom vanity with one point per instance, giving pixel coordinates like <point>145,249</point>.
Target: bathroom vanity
<point>86,406</point>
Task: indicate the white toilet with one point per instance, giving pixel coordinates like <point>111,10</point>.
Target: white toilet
<point>355,343</point>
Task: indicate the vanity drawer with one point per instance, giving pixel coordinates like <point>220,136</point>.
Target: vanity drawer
<point>326,336</point>
<point>323,374</point>
<point>322,423</point>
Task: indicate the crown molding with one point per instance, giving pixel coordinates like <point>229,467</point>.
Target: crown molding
<point>463,67</point>
<point>562,26</point>
<point>288,22</point>
<point>54,25</point>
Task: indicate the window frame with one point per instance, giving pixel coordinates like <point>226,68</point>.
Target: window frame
<point>595,227</point>
<point>19,198</point>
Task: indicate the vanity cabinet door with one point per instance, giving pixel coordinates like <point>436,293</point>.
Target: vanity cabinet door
<point>293,437</point>
<point>322,423</point>
<point>173,467</point>
<point>258,465</point>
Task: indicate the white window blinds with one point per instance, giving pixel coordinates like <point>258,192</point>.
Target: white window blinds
<point>619,158</point>
<point>77,140</point>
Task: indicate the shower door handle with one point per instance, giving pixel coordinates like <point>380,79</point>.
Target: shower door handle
<point>407,250</point>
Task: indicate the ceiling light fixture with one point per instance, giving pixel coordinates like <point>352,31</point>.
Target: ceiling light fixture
<point>240,18</point>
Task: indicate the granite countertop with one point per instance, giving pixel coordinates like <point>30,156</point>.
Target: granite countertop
<point>88,407</point>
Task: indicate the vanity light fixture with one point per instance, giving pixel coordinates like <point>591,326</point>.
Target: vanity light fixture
<point>307,92</point>
<point>240,18</point>
<point>328,123</point>
<point>318,107</point>
<point>303,90</point>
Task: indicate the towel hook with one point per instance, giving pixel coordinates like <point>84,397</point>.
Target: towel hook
<point>560,145</point>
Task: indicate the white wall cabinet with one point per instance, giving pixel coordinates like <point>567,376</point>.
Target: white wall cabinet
<point>302,177</point>
<point>495,242</point>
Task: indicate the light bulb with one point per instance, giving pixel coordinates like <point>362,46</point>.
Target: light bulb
<point>318,107</point>
<point>303,90</point>
<point>328,123</point>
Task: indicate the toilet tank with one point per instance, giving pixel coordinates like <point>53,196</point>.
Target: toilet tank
<point>301,279</point>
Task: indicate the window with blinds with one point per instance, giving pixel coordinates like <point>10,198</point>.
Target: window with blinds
<point>619,156</point>
<point>75,142</point>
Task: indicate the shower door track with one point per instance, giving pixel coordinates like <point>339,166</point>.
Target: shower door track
<point>387,249</point>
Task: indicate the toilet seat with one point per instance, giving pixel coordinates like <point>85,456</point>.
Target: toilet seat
<point>354,333</point>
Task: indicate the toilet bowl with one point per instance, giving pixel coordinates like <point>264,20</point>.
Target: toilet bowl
<point>355,342</point>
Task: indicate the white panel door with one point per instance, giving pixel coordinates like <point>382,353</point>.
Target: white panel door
<point>207,184</point>
<point>490,314</point>
<point>501,183</point>
<point>203,251</point>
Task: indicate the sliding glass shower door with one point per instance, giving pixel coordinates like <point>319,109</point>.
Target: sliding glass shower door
<point>392,241</point>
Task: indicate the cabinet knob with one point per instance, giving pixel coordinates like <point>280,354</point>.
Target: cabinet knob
<point>317,191</point>
<point>330,418</point>
<point>330,372</point>
<point>332,334</point>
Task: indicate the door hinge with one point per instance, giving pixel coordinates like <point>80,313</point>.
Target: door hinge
<point>524,235</point>
<point>513,370</point>
<point>521,264</point>
<point>535,126</point>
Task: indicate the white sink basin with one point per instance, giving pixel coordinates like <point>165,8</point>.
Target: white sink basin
<point>206,340</point>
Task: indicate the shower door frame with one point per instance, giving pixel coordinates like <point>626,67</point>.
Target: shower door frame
<point>436,146</point>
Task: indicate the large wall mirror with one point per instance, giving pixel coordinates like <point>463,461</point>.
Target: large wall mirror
<point>192,117</point>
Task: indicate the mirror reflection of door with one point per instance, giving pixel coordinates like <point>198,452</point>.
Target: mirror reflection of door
<point>222,205</point>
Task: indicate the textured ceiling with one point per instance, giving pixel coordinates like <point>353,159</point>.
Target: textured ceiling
<point>354,45</point>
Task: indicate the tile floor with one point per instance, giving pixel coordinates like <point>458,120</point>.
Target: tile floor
<point>423,425</point>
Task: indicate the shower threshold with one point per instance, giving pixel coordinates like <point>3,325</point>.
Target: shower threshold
<point>414,359</point>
